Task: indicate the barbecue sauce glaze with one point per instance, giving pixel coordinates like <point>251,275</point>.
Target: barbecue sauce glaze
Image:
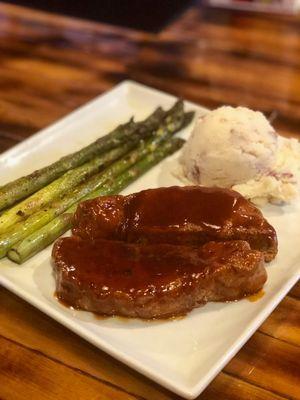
<point>134,246</point>
<point>165,212</point>
<point>110,266</point>
<point>177,207</point>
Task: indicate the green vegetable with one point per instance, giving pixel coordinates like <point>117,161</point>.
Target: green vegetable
<point>41,238</point>
<point>25,186</point>
<point>60,186</point>
<point>173,121</point>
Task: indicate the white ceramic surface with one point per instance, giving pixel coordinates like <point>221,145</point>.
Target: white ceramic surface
<point>183,355</point>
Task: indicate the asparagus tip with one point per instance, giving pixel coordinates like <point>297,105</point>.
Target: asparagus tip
<point>187,118</point>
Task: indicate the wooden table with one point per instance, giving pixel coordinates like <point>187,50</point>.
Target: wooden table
<point>51,65</point>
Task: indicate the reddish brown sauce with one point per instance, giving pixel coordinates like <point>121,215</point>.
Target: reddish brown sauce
<point>63,302</point>
<point>256,296</point>
<point>177,207</point>
<point>111,266</point>
<point>176,215</point>
<point>99,220</point>
<point>152,253</point>
<point>122,319</point>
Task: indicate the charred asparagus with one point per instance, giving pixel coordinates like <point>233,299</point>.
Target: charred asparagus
<point>41,238</point>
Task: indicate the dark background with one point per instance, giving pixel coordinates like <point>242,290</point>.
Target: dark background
<point>150,15</point>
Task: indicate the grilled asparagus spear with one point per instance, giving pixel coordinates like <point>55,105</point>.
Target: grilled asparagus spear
<point>72,178</point>
<point>41,238</point>
<point>23,229</point>
<point>60,186</point>
<point>25,186</point>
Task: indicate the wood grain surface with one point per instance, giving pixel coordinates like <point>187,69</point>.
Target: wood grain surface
<point>49,66</point>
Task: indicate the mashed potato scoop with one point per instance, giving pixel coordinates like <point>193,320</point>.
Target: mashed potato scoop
<point>238,148</point>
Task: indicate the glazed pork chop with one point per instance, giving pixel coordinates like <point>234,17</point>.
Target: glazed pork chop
<point>191,215</point>
<point>153,280</point>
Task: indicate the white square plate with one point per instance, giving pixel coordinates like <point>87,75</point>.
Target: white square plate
<point>183,355</point>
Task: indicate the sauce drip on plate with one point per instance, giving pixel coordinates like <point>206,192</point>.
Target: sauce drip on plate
<point>256,296</point>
